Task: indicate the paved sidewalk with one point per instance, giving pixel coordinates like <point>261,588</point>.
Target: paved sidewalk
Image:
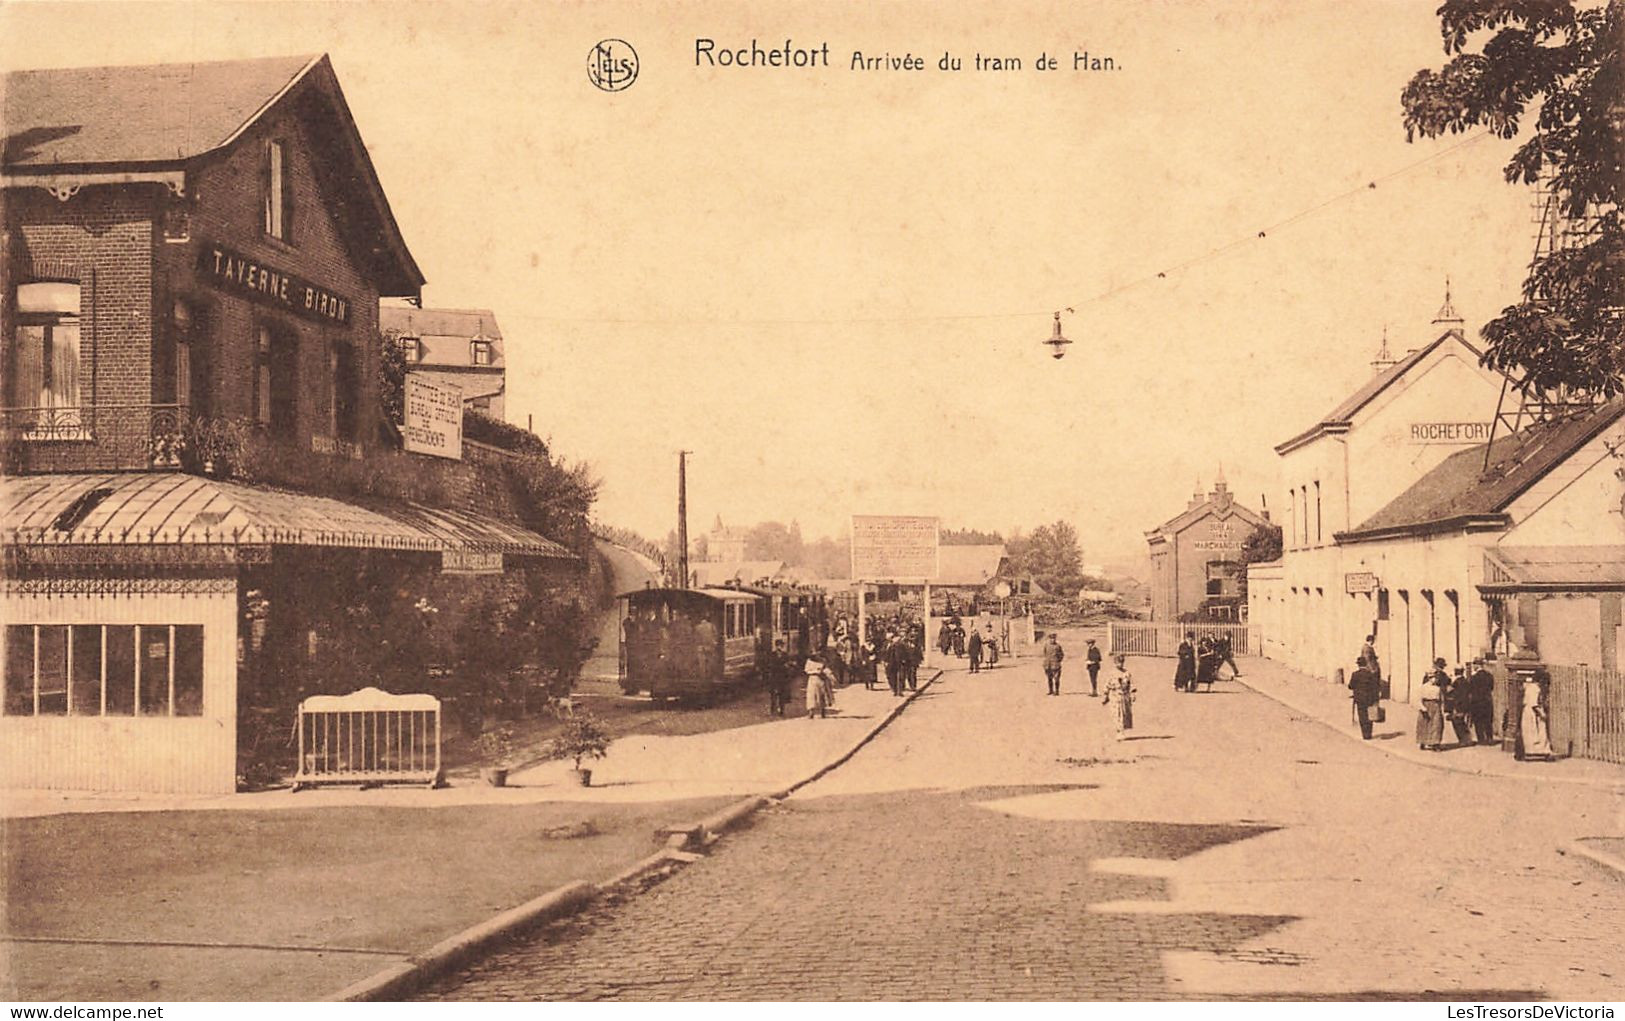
<point>639,767</point>
<point>1327,703</point>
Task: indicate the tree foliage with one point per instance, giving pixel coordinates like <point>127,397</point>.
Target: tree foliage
<point>1262,546</point>
<point>1051,555</point>
<point>1564,58</point>
<point>969,537</point>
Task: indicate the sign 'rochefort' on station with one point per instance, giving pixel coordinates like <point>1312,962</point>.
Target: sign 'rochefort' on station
<point>169,283</point>
<point>1465,546</point>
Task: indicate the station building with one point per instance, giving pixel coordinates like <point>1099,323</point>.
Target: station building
<point>191,261</point>
<point>1405,523</point>
<point>1196,564</point>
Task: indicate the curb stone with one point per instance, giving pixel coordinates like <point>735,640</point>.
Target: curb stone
<point>400,980</point>
<point>396,981</point>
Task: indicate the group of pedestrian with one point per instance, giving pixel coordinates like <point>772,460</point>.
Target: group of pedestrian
<point>1119,689</point>
<point>895,647</point>
<point>1198,661</point>
<point>1465,698</point>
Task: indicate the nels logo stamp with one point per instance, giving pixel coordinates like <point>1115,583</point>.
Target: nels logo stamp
<point>612,65</point>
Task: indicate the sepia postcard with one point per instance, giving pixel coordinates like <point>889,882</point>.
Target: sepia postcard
<point>791,501</point>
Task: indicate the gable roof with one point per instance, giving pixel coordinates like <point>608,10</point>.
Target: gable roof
<point>1183,520</point>
<point>1460,494</point>
<point>463,323</point>
<point>1342,416</point>
<point>143,114</point>
<point>156,117</point>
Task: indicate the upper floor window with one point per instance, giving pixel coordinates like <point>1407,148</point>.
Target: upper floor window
<point>278,193</point>
<point>45,368</point>
<point>411,349</point>
<point>482,352</point>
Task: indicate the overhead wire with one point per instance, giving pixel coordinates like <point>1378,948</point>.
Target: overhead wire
<point>1261,234</point>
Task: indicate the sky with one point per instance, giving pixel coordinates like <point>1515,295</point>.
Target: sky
<point>832,285</point>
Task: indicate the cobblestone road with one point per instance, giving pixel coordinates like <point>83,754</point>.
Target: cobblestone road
<point>996,843</point>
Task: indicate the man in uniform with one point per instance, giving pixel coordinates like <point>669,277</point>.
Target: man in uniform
<point>1053,655</point>
<point>778,671</point>
<point>1092,658</point>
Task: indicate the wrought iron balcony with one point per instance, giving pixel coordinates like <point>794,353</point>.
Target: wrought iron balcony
<point>99,437</point>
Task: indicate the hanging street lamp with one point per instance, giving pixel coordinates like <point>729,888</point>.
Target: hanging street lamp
<point>1057,342</point>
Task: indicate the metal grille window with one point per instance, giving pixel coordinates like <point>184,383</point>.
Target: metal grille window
<point>103,670</point>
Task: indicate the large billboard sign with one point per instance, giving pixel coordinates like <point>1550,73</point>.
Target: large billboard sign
<point>893,548</point>
<point>434,418</point>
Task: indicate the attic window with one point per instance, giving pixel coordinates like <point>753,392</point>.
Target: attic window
<point>278,193</point>
<point>481,352</point>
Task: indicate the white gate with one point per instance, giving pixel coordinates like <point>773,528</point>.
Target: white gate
<point>1135,638</point>
<point>367,737</point>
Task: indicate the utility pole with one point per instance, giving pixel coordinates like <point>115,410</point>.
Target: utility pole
<point>682,517</point>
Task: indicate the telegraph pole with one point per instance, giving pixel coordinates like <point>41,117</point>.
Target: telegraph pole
<point>682,517</point>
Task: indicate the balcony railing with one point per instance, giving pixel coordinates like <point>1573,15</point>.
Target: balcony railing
<point>99,437</point>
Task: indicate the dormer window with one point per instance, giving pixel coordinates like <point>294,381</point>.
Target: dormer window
<point>481,352</point>
<point>411,349</point>
<point>278,195</point>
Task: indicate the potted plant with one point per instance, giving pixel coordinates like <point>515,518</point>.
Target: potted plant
<point>582,737</point>
<point>496,747</point>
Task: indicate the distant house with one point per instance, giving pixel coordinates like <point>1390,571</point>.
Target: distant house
<point>459,347</point>
<point>972,573</point>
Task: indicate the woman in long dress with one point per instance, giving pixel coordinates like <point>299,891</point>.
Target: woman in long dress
<point>1430,721</point>
<point>1120,696</point>
<point>820,688</point>
<point>1536,734</point>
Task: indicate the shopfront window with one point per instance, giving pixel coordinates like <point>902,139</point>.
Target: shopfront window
<point>45,353</point>
<point>103,670</point>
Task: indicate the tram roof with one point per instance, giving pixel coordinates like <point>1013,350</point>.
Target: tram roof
<point>723,594</point>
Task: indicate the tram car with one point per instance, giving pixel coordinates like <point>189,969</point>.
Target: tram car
<point>690,642</point>
<point>798,616</point>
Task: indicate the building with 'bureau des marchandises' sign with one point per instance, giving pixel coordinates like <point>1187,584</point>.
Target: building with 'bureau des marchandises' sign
<point>195,456</point>
<point>1196,565</point>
